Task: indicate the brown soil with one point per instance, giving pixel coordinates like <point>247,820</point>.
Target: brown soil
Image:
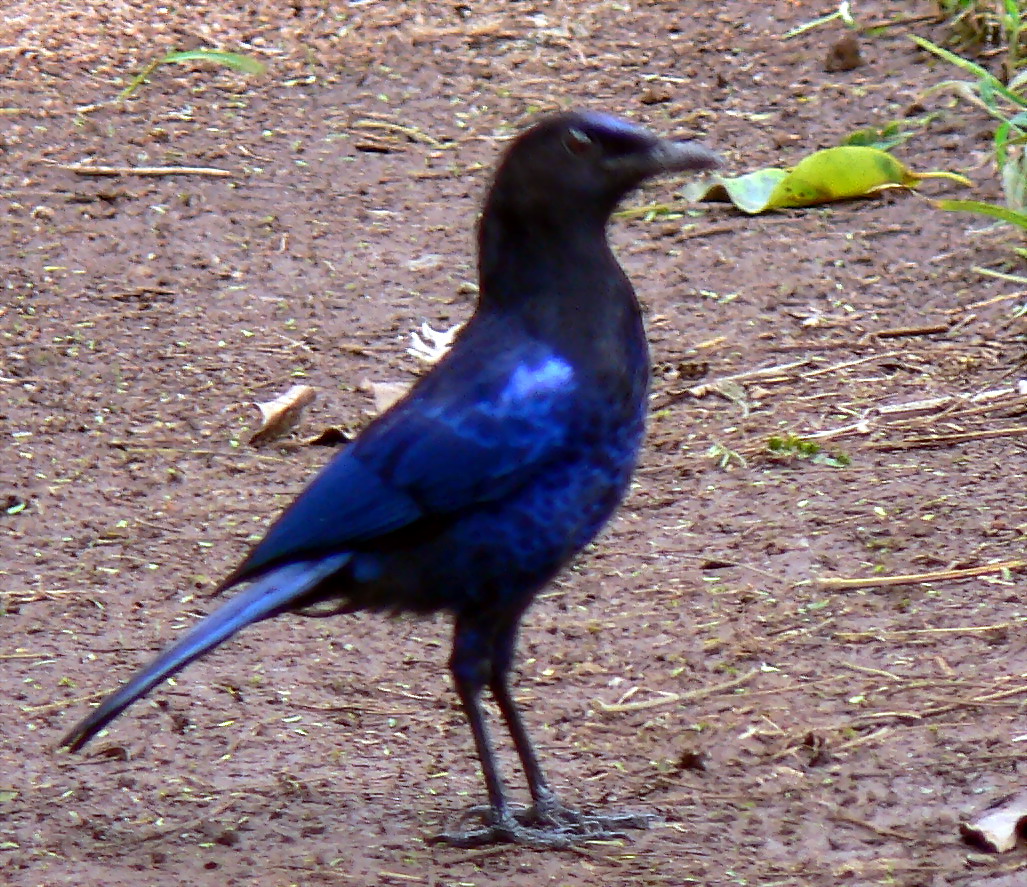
<point>691,663</point>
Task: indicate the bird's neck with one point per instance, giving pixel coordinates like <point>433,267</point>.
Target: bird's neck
<point>554,272</point>
<point>562,285</point>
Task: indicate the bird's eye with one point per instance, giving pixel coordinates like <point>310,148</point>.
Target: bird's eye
<point>577,142</point>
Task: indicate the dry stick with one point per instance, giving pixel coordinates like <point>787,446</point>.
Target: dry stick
<point>917,578</point>
<point>711,386</point>
<point>127,447</point>
<point>672,698</point>
<point>901,332</point>
<point>870,27</point>
<point>85,170</point>
<point>411,132</point>
<point>880,733</point>
<point>932,403</point>
<point>998,694</point>
<point>62,703</point>
<point>851,363</point>
<point>187,826</point>
<point>997,404</point>
<point>1008,297</point>
<point>913,632</point>
<point>947,707</point>
<point>14,592</point>
<point>881,673</point>
<point>708,232</point>
<point>933,440</point>
<point>962,413</point>
<point>941,404</point>
<point>801,686</point>
<point>837,813</point>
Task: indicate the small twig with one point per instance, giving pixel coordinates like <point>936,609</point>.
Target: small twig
<point>880,733</point>
<point>186,826</point>
<point>988,399</point>
<point>900,22</point>
<point>973,306</point>
<point>906,632</point>
<point>61,704</point>
<point>901,332</point>
<point>851,363</point>
<point>714,384</point>
<point>836,813</point>
<point>673,698</point>
<point>48,592</point>
<point>947,707</point>
<point>411,132</point>
<point>881,673</point>
<point>127,447</point>
<point>918,578</point>
<point>932,403</point>
<point>958,437</point>
<point>708,231</point>
<point>87,170</point>
<point>996,695</point>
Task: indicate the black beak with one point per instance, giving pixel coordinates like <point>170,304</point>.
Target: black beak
<point>663,156</point>
<point>667,156</point>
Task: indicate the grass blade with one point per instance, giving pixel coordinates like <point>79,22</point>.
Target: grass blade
<point>233,60</point>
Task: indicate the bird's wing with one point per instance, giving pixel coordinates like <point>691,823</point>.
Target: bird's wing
<point>484,421</point>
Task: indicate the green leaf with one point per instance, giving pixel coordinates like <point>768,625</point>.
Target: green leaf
<point>802,448</point>
<point>750,193</point>
<point>891,134</point>
<point>832,174</point>
<point>233,60</point>
<point>996,211</point>
<point>882,137</point>
<point>988,81</point>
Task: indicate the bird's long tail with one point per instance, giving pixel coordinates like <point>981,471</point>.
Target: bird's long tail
<point>267,596</point>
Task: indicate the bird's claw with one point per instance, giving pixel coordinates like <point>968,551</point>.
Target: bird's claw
<point>553,814</point>
<point>545,825</point>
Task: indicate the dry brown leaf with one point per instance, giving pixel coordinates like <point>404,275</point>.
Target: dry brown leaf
<point>332,436</point>
<point>279,416</point>
<point>998,827</point>
<point>385,394</point>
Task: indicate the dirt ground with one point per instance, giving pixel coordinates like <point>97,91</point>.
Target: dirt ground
<point>693,663</point>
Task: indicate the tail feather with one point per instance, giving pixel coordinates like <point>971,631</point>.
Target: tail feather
<point>265,597</point>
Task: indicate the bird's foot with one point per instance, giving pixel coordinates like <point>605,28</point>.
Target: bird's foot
<point>547,824</point>
<point>548,812</point>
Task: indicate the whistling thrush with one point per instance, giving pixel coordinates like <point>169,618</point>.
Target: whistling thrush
<point>499,465</point>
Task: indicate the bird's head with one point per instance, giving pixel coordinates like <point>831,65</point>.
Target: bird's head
<point>582,163</point>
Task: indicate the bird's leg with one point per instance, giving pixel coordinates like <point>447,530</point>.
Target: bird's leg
<point>547,812</point>
<point>499,684</point>
<point>471,666</point>
<point>481,657</point>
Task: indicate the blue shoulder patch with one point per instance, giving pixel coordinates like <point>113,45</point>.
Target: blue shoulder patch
<point>548,377</point>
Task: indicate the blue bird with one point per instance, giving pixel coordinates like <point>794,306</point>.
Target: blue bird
<point>499,465</point>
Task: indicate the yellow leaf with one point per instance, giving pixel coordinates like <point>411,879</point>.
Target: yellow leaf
<point>832,174</point>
